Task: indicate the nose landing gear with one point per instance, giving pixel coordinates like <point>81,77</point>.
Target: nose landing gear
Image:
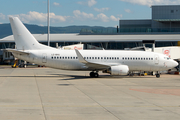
<point>94,74</point>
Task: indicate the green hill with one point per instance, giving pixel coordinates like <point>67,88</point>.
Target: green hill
<point>5,29</point>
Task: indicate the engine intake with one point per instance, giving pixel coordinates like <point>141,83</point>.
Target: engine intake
<point>118,70</point>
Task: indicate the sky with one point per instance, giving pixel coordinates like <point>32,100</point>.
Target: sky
<point>105,13</point>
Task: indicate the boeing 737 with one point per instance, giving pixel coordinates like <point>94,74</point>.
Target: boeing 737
<point>114,62</point>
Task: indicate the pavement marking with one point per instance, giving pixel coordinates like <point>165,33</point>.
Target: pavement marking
<point>42,106</point>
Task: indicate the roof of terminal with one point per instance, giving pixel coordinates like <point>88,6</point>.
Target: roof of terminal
<point>98,38</point>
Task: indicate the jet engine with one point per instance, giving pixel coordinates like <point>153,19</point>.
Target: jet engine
<point>118,70</point>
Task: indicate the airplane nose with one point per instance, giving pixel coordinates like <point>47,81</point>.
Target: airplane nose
<point>174,64</point>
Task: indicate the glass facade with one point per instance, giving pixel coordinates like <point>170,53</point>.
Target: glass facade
<point>149,30</point>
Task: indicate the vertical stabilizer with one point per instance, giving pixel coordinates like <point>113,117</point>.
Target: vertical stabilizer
<point>23,38</point>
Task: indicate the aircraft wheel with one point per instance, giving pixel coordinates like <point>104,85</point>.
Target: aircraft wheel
<point>96,75</point>
<point>158,75</point>
<point>92,74</point>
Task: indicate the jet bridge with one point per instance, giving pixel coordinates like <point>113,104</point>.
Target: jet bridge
<point>152,42</point>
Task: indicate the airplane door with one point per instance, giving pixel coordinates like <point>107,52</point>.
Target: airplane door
<point>44,58</point>
<point>156,59</point>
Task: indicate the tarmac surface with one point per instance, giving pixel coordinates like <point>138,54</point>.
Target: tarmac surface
<point>51,94</point>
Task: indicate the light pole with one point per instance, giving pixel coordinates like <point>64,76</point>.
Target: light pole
<point>48,20</point>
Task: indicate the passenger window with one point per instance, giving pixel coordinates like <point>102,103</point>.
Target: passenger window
<point>123,58</point>
<point>54,57</point>
<point>89,57</point>
<point>104,57</point>
<point>92,57</point>
<point>95,57</point>
<point>51,57</point>
<point>57,57</point>
<point>84,57</point>
<point>146,58</point>
<point>115,58</point>
<point>76,57</point>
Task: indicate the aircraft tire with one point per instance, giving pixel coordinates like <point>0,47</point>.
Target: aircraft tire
<point>158,75</point>
<point>92,74</point>
<point>96,75</point>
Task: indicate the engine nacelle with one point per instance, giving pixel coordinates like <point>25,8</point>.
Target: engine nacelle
<point>118,70</point>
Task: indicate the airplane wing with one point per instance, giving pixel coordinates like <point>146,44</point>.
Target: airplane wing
<point>17,51</point>
<point>93,65</point>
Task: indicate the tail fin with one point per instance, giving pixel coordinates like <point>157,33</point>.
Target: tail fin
<point>23,38</point>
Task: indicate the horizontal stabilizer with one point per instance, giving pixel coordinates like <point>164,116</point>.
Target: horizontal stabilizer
<point>17,51</point>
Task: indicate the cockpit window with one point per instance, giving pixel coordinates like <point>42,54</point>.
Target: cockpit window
<point>167,58</point>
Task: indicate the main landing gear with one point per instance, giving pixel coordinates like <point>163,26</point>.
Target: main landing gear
<point>158,75</point>
<point>94,74</point>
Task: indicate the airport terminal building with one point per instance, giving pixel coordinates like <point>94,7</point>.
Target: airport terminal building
<point>164,28</point>
<point>165,20</point>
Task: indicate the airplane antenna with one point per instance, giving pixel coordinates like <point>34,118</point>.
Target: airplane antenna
<point>48,20</point>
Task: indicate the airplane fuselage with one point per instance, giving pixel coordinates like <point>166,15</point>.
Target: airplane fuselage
<point>68,60</point>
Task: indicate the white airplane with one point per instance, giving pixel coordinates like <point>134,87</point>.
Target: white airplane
<point>115,62</point>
